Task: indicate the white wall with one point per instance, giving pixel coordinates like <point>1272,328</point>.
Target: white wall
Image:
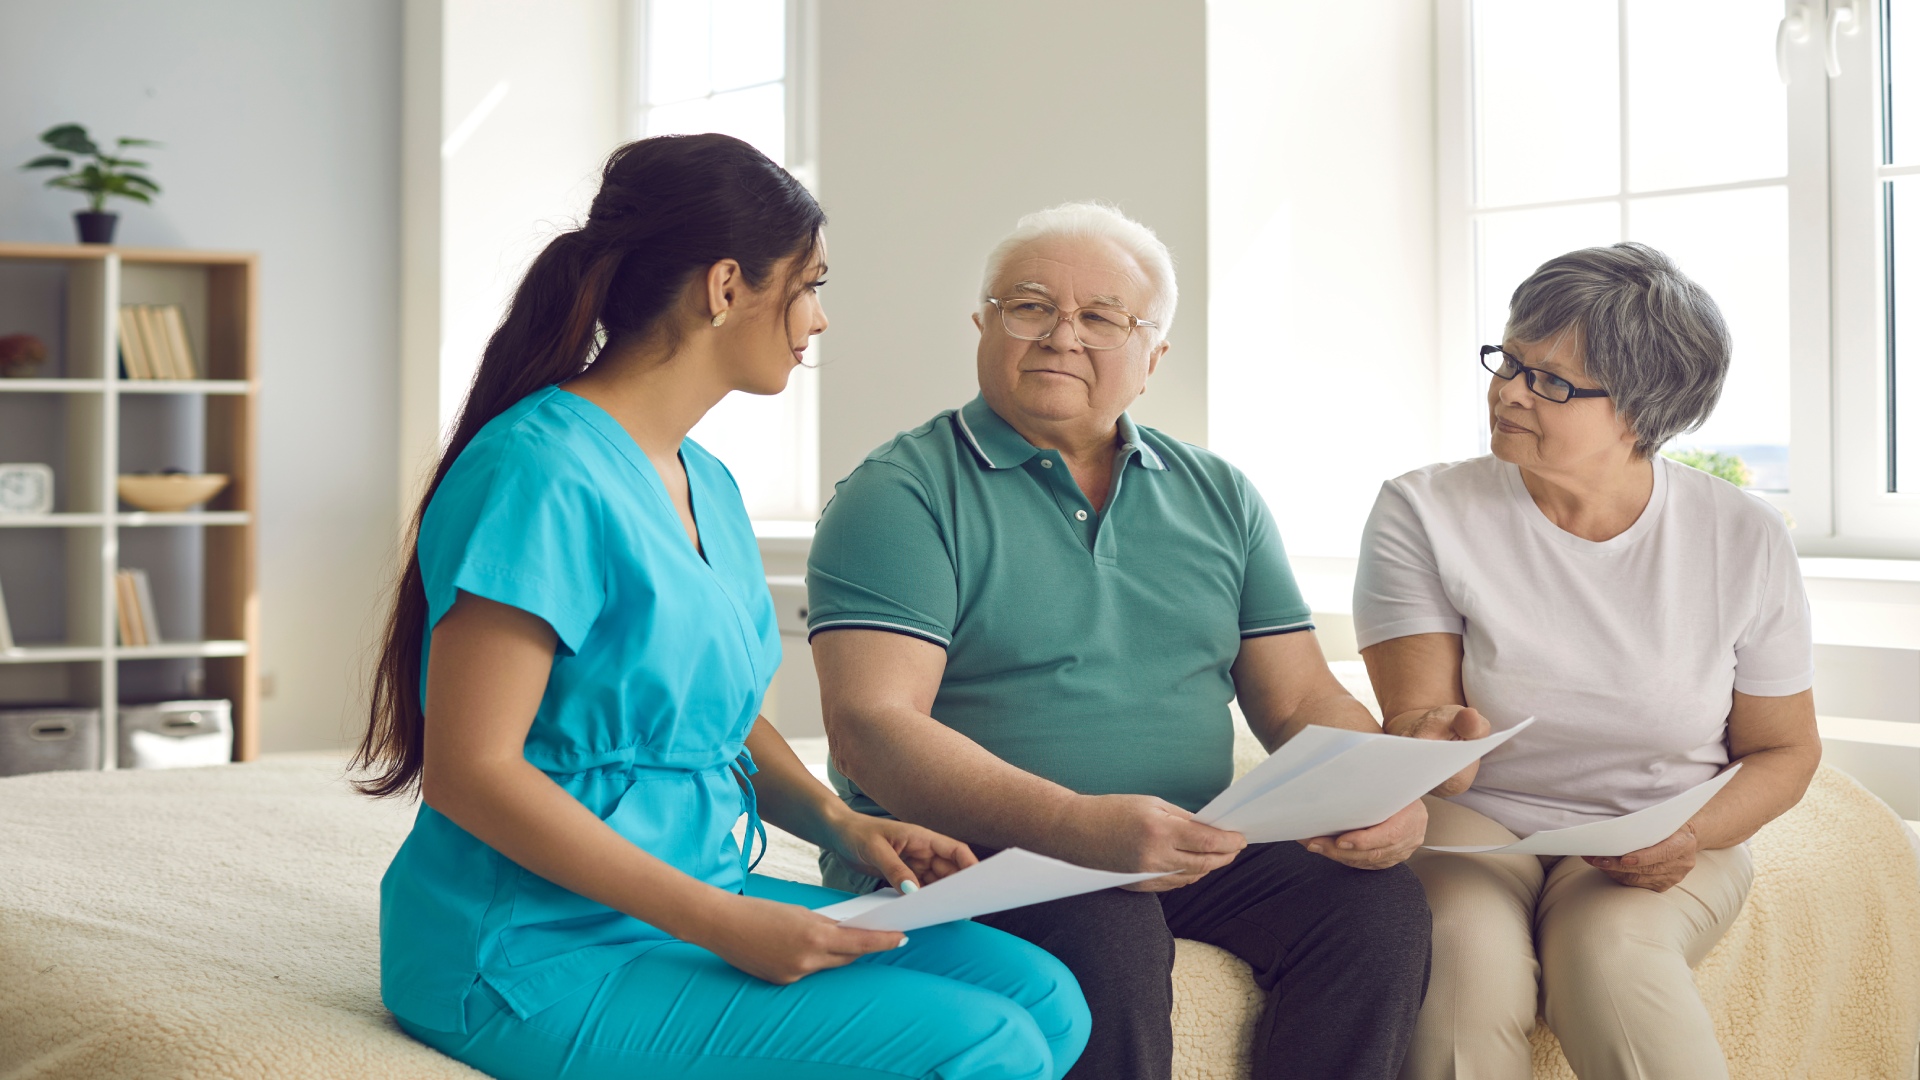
<point>516,110</point>
<point>916,189</point>
<point>919,181</point>
<point>1322,377</point>
<point>281,124</point>
<point>529,169</point>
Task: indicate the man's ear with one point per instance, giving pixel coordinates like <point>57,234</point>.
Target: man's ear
<point>1153,360</point>
<point>977,324</point>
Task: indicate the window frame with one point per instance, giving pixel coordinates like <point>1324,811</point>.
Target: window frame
<point>801,86</point>
<point>802,142</point>
<point>1871,520</point>
<point>1835,284</point>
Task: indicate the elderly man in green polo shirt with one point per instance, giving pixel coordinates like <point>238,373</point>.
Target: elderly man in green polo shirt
<point>1029,615</point>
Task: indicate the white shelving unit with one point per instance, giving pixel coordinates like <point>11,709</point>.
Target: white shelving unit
<point>57,569</point>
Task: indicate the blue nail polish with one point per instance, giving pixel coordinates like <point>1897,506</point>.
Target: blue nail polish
<point>908,887</point>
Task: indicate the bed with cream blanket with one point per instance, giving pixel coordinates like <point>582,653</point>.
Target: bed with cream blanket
<point>220,922</point>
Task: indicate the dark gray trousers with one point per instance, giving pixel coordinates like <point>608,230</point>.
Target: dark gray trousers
<point>1342,953</point>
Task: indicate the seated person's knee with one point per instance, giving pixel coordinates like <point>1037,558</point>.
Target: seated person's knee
<point>1011,1047</point>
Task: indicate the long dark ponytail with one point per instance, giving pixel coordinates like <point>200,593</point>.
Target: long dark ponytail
<point>668,208</point>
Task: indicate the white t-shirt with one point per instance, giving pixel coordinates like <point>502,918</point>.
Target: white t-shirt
<point>1627,650</point>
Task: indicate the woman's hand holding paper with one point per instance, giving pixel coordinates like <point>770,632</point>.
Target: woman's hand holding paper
<point>1657,868</point>
<point>783,943</point>
<point>1444,722</point>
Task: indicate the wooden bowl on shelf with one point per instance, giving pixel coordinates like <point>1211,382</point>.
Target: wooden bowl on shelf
<point>166,493</point>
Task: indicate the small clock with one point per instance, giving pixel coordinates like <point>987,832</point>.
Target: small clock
<point>26,489</point>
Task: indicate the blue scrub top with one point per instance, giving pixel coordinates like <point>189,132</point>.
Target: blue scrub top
<point>662,661</point>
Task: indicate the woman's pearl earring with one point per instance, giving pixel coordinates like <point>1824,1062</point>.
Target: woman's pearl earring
<point>720,319</point>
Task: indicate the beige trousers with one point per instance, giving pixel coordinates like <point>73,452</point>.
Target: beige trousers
<point>1607,965</point>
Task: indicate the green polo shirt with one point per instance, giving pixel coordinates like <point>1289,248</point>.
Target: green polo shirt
<point>1089,647</point>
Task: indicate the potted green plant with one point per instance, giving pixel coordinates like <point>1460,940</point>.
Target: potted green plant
<point>105,177</point>
<point>1729,467</point>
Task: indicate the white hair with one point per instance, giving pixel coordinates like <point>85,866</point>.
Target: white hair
<point>1092,220</point>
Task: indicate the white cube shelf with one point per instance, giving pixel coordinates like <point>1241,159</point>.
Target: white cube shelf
<point>57,570</point>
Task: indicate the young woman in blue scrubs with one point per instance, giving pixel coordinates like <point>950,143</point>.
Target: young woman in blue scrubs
<point>572,677</point>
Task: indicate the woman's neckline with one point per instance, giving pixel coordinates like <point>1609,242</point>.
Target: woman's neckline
<point>616,432</point>
<point>1530,509</point>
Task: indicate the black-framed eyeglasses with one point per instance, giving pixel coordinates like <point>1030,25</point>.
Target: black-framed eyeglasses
<point>1031,319</point>
<point>1544,384</point>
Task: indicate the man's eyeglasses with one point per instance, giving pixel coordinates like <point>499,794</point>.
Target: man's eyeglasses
<point>1544,384</point>
<point>1031,319</point>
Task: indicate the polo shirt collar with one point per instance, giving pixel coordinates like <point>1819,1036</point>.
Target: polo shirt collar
<point>999,446</point>
<point>992,439</point>
<point>1131,443</point>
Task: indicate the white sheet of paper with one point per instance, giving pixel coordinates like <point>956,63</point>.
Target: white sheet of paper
<point>1311,746</point>
<point>1614,836</point>
<point>1335,781</point>
<point>847,909</point>
<point>1010,879</point>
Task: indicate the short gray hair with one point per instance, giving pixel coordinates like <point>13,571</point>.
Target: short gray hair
<point>1653,338</point>
<point>1083,220</point>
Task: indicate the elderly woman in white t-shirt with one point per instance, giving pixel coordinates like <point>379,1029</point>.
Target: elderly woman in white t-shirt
<point>1650,615</point>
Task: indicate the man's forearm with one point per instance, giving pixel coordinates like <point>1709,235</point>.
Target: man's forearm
<point>1283,684</point>
<point>1333,707</point>
<point>923,771</point>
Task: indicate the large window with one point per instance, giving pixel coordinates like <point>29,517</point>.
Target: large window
<point>737,67</point>
<point>1774,151</point>
<point>1596,121</point>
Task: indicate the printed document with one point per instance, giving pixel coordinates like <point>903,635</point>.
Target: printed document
<point>1010,879</point>
<point>1325,781</point>
<point>1322,782</point>
<point>1614,836</point>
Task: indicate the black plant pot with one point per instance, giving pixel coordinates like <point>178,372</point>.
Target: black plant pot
<point>95,228</point>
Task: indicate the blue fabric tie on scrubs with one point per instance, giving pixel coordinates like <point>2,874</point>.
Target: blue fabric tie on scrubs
<point>662,659</point>
<point>744,768</point>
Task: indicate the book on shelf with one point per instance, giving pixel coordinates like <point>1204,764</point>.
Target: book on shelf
<point>149,623</point>
<point>133,629</point>
<point>151,343</point>
<point>6,628</point>
<point>133,594</point>
<point>182,352</point>
<point>133,350</point>
<point>154,343</point>
<point>123,605</point>
<point>159,344</point>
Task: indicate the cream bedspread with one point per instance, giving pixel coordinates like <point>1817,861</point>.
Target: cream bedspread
<point>214,923</point>
<point>197,923</point>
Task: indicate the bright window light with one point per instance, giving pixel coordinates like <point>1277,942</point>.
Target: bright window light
<point>716,65</point>
<point>1597,121</point>
<point>722,66</point>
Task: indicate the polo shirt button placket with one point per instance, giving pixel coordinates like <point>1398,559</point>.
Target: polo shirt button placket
<point>1079,515</point>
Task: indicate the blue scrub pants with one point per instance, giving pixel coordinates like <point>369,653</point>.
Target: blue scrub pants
<point>957,1001</point>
